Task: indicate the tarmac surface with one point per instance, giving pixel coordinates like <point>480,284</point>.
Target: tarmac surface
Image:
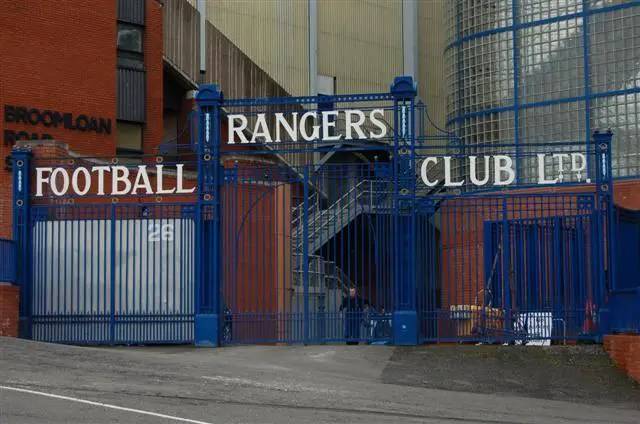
<point>47,383</point>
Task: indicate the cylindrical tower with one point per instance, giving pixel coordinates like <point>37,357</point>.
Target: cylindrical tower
<point>532,71</point>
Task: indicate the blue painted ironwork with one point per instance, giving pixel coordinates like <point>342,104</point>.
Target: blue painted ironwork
<point>404,162</point>
<point>529,24</point>
<point>321,241</point>
<point>515,48</point>
<point>113,273</point>
<point>21,226</point>
<point>8,265</point>
<point>622,312</point>
<point>208,219</point>
<point>509,22</point>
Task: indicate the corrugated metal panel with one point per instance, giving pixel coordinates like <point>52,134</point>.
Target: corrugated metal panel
<point>180,37</point>
<point>131,11</point>
<point>360,43</point>
<point>239,77</point>
<point>273,34</point>
<point>432,33</point>
<point>131,94</point>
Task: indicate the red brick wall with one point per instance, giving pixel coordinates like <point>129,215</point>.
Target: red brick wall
<point>153,129</point>
<point>626,194</point>
<point>9,302</point>
<point>61,56</point>
<point>624,351</point>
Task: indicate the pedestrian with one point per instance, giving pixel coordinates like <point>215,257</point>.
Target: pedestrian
<point>352,306</point>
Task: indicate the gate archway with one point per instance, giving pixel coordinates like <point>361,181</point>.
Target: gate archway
<point>313,220</point>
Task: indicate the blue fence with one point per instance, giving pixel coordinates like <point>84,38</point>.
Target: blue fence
<point>8,265</point>
<point>623,309</point>
<point>321,219</point>
<point>113,273</point>
<point>622,314</point>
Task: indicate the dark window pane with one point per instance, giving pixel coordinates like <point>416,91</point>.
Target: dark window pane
<point>129,137</point>
<point>129,38</point>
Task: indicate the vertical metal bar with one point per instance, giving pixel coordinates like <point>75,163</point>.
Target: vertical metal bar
<point>606,225</point>
<point>515,10</point>
<point>506,263</point>
<point>305,253</point>
<point>112,249</point>
<point>586,15</point>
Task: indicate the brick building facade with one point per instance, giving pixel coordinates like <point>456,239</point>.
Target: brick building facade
<point>60,68</point>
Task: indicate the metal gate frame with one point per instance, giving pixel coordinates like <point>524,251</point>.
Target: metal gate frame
<point>406,210</point>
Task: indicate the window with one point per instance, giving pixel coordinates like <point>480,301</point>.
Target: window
<point>129,139</point>
<point>129,38</point>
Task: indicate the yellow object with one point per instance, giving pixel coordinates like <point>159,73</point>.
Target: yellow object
<point>473,319</point>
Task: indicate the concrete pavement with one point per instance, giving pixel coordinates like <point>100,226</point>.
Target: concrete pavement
<point>253,384</point>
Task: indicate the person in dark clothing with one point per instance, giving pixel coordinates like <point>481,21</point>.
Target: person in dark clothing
<point>352,305</point>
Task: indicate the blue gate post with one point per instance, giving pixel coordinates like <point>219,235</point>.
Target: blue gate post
<point>207,321</point>
<point>405,316</point>
<point>605,226</point>
<point>22,234</point>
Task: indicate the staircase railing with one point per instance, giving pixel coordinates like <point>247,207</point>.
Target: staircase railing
<point>365,195</point>
<point>296,212</point>
<point>349,205</point>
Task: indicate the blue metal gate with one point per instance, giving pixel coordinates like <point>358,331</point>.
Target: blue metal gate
<point>112,273</point>
<point>314,220</point>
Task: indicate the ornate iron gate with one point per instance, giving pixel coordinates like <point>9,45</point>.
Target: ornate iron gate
<point>314,220</point>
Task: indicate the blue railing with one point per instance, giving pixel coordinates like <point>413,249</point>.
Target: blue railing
<point>623,313</point>
<point>8,261</point>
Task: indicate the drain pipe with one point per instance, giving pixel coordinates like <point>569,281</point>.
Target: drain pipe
<point>202,10</point>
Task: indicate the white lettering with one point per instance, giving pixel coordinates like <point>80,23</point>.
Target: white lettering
<point>574,164</point>
<point>120,174</point>
<point>502,164</point>
<point>40,179</point>
<point>303,127</point>
<point>541,170</point>
<point>261,130</point>
<point>179,182</point>
<point>234,131</point>
<point>54,181</point>
<point>142,181</point>
<point>350,125</point>
<point>447,174</point>
<point>378,123</point>
<point>159,189</point>
<point>473,173</point>
<point>281,122</point>
<point>101,170</point>
<point>87,181</point>
<point>561,157</point>
<point>328,123</point>
<point>423,171</point>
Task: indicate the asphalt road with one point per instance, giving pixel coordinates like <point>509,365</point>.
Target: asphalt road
<point>46,383</point>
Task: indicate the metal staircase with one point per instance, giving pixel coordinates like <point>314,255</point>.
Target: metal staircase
<point>324,224</point>
<point>367,196</point>
<point>326,278</point>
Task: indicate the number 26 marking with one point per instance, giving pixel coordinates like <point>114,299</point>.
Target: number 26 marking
<point>159,232</point>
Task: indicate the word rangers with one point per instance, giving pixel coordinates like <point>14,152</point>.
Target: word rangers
<point>309,126</point>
